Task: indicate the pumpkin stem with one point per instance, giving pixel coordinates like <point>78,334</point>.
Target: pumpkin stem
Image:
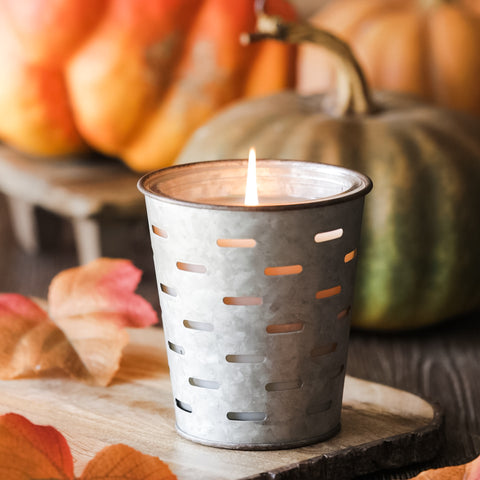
<point>353,93</point>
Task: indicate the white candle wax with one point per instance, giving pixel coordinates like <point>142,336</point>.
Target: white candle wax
<point>239,200</point>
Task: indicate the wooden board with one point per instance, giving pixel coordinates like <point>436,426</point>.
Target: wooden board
<point>381,427</point>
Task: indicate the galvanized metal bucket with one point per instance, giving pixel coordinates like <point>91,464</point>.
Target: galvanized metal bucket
<point>256,300</point>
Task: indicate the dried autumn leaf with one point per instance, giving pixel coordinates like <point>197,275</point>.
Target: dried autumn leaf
<point>121,461</point>
<point>89,307</point>
<point>29,341</point>
<point>98,344</point>
<point>103,287</point>
<point>91,304</point>
<point>468,471</point>
<point>30,451</point>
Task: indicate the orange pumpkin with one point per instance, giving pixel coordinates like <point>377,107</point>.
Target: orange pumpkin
<point>130,78</point>
<point>425,47</point>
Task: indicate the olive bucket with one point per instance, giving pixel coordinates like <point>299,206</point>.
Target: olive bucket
<point>256,300</point>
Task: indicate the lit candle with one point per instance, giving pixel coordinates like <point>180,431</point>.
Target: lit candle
<point>251,190</point>
<point>276,195</point>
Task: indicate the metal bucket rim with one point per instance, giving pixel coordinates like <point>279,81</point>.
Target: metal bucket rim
<point>362,185</point>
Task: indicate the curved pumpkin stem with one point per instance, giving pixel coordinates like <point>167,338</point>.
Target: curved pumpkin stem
<point>353,93</point>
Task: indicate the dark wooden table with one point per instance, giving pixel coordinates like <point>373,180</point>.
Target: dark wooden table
<point>441,364</point>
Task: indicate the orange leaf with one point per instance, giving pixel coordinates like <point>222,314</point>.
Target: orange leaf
<point>29,341</point>
<point>30,451</point>
<point>105,286</point>
<point>123,462</point>
<point>468,471</point>
<point>98,343</point>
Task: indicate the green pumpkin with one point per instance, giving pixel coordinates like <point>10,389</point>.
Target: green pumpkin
<point>419,258</point>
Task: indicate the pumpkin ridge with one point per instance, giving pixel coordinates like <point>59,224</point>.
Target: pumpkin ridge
<point>359,11</point>
<point>379,260</point>
<point>56,48</point>
<point>461,226</point>
<point>457,76</point>
<point>180,48</point>
<point>191,44</point>
<point>424,279</point>
<point>186,44</point>
<point>466,264</point>
<point>383,13</point>
<point>149,53</point>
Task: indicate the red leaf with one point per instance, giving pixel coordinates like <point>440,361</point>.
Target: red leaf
<point>123,462</point>
<point>105,286</point>
<point>29,451</point>
<point>13,305</point>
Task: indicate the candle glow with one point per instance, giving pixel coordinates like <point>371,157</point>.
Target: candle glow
<point>251,193</point>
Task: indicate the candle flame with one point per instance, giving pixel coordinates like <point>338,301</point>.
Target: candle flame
<point>251,194</point>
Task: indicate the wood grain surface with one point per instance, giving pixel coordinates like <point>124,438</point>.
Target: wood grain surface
<point>381,426</point>
<point>441,364</point>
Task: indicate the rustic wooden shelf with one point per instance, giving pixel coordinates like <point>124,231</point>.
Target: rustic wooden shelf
<point>79,188</point>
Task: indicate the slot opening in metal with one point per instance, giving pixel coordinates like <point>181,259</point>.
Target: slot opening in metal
<point>191,267</point>
<point>183,406</point>
<point>285,270</point>
<point>321,350</point>
<point>203,326</point>
<point>159,232</point>
<point>328,292</point>
<point>248,301</point>
<point>344,313</point>
<point>198,382</point>
<point>247,416</point>
<point>176,348</point>
<point>350,256</point>
<point>236,242</point>
<point>282,386</point>
<point>327,236</point>
<point>246,358</point>
<point>285,328</point>
<point>168,290</point>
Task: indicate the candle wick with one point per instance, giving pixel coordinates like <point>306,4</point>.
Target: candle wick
<point>251,194</point>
